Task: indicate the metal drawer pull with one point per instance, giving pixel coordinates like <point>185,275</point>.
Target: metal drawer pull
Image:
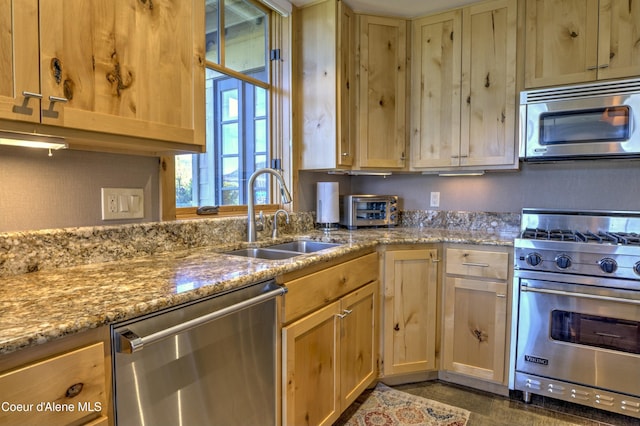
<point>480,265</point>
<point>32,95</point>
<point>58,99</point>
<point>344,314</point>
<point>129,342</point>
<point>501,295</point>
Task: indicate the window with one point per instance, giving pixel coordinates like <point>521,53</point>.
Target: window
<point>237,110</point>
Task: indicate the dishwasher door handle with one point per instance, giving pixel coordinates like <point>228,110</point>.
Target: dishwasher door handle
<point>128,342</point>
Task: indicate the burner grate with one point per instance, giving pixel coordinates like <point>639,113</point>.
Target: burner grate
<point>619,238</point>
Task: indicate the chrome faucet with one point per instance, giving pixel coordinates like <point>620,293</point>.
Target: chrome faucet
<point>274,232</point>
<point>251,220</point>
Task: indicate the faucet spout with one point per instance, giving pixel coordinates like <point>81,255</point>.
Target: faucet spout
<point>251,219</point>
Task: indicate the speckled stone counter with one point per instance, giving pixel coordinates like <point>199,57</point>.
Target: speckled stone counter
<point>42,306</point>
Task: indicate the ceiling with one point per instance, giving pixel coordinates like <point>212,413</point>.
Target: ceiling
<point>400,8</point>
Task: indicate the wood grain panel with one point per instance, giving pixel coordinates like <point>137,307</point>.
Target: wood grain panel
<point>477,263</point>
<point>75,379</point>
<point>382,74</point>
<point>435,132</point>
<point>487,135</point>
<point>314,290</point>
<point>561,42</point>
<point>619,39</point>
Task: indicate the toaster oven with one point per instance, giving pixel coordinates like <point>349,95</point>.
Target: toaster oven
<point>368,210</point>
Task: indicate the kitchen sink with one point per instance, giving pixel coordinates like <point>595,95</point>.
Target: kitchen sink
<point>303,246</point>
<point>264,253</point>
<point>284,250</point>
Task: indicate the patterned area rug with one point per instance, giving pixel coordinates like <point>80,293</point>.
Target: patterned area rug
<point>387,406</point>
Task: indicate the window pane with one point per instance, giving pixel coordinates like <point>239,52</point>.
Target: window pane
<point>184,180</point>
<point>261,102</point>
<point>211,30</point>
<point>230,139</point>
<point>245,42</point>
<point>229,105</point>
<point>261,135</point>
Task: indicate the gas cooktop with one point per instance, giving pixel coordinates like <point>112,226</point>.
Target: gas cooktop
<point>595,243</point>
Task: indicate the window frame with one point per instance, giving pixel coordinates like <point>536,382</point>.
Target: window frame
<point>278,87</point>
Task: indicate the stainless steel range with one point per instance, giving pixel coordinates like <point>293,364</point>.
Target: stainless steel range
<point>577,334</point>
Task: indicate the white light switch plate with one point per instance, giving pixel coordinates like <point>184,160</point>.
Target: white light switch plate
<point>122,203</point>
<point>435,199</point>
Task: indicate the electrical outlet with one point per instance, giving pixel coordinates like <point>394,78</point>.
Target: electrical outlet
<point>435,199</point>
<point>122,203</point>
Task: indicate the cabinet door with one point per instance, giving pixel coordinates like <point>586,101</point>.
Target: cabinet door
<point>311,365</point>
<point>435,119</point>
<point>382,73</point>
<point>357,343</point>
<point>19,60</point>
<point>487,135</point>
<point>561,42</point>
<point>128,68</point>
<point>475,327</point>
<point>409,324</point>
<point>346,85</point>
<point>618,47</point>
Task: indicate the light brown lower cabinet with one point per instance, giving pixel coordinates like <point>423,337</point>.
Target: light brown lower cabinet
<point>476,312</point>
<point>409,323</point>
<point>66,389</point>
<point>330,358</point>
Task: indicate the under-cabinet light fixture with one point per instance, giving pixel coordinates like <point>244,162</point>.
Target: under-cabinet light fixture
<point>32,140</point>
<point>358,173</point>
<point>462,173</point>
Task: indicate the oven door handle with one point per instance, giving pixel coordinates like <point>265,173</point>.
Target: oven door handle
<point>583,295</point>
<point>129,342</point>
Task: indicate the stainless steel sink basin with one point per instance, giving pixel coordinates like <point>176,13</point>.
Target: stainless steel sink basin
<point>303,246</point>
<point>264,253</point>
<point>284,250</point>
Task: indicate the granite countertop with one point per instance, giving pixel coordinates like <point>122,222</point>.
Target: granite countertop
<point>42,306</point>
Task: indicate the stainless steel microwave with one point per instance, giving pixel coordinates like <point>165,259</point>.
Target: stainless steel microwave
<point>368,210</point>
<point>595,120</point>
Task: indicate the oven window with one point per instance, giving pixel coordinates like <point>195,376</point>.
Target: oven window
<point>591,330</point>
<point>587,125</point>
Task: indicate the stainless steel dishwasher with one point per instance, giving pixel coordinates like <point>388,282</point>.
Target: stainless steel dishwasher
<point>211,362</point>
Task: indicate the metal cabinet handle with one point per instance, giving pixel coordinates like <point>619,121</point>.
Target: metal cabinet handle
<point>129,342</point>
<point>32,95</point>
<point>345,154</point>
<point>58,99</point>
<point>481,265</point>
<point>501,295</point>
<point>344,314</point>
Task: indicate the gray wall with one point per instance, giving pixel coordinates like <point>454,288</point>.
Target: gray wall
<point>41,192</point>
<point>584,185</point>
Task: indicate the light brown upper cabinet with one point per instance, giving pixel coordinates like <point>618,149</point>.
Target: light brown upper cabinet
<point>382,77</point>
<point>133,69</point>
<point>464,89</point>
<point>326,41</point>
<point>574,41</point>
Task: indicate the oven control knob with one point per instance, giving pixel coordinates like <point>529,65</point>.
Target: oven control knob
<point>533,259</point>
<point>563,261</point>
<point>608,265</point>
<point>636,268</point>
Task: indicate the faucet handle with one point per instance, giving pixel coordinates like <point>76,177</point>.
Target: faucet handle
<point>260,221</point>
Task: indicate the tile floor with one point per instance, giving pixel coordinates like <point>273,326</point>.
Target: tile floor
<point>494,410</point>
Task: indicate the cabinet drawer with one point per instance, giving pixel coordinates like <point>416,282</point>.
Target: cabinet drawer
<point>56,391</point>
<point>312,291</point>
<point>477,263</point>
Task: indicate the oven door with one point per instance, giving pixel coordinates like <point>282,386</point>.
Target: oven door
<point>583,334</point>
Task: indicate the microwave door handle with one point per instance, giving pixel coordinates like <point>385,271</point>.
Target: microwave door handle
<point>582,295</point>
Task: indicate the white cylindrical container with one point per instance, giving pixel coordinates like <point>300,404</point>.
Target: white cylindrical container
<point>327,204</point>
